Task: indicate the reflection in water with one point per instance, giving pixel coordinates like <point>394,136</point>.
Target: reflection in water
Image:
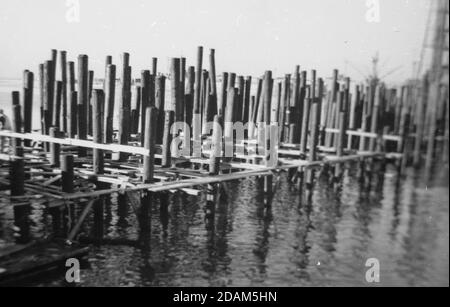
<point>233,234</point>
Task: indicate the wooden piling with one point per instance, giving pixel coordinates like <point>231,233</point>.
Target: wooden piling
<point>214,158</point>
<point>268,142</point>
<point>17,174</point>
<point>89,104</point>
<point>212,72</point>
<point>97,133</point>
<point>246,107</point>
<point>83,100</point>
<point>159,103</point>
<point>72,115</point>
<point>67,175</point>
<point>175,89</point>
<point>135,110</point>
<point>71,76</point>
<point>240,101</point>
<point>145,99</point>
<point>110,88</point>
<point>285,110</point>
<point>196,119</point>
<point>149,143</point>
<point>64,120</point>
<point>124,104</point>
<point>167,139</point>
<point>48,95</point>
<point>182,87</point>
<point>154,66</point>
<point>340,143</point>
<point>210,110</point>
<point>27,104</point>
<point>231,80</point>
<point>228,123</point>
<point>295,113</point>
<point>55,148</point>
<point>445,149</point>
<point>433,102</point>
<point>305,122</point>
<point>57,105</point>
<point>41,98</point>
<point>420,120</point>
<point>221,105</point>
<point>16,124</point>
<point>315,121</point>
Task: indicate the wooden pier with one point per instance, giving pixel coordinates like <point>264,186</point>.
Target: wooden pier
<point>190,142</point>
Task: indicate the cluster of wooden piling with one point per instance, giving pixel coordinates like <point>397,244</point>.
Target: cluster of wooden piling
<point>297,123</point>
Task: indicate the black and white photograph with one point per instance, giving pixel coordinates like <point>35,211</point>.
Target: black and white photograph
<point>222,151</point>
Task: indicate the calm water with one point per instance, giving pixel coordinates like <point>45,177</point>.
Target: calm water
<point>324,242</point>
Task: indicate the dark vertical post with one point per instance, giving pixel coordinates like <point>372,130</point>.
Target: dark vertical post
<point>67,175</point>
<point>154,67</point>
<point>145,99</point>
<point>295,110</point>
<point>175,89</point>
<point>110,88</point>
<point>420,119</point>
<point>135,110</point>
<point>17,174</point>
<point>375,113</point>
<point>27,104</point>
<point>214,158</point>
<point>305,122</point>
<point>196,120</point>
<point>83,96</point>
<point>231,80</point>
<point>97,135</point>
<point>57,105</point>
<point>182,86</point>
<point>240,101</point>
<point>16,122</point>
<point>221,105</point>
<point>446,134</point>
<point>149,143</point>
<point>228,123</point>
<point>315,121</point>
<point>210,110</point>
<point>72,104</point>
<point>72,115</point>
<point>125,104</point>
<point>55,148</point>
<point>48,102</point>
<point>248,85</point>
<point>41,97</point>
<point>63,61</point>
<point>212,73</point>
<point>71,76</point>
<point>189,96</point>
<point>17,188</point>
<point>267,141</point>
<point>159,103</point>
<point>167,139</point>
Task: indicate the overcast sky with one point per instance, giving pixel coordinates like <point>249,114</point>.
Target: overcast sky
<point>249,36</point>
